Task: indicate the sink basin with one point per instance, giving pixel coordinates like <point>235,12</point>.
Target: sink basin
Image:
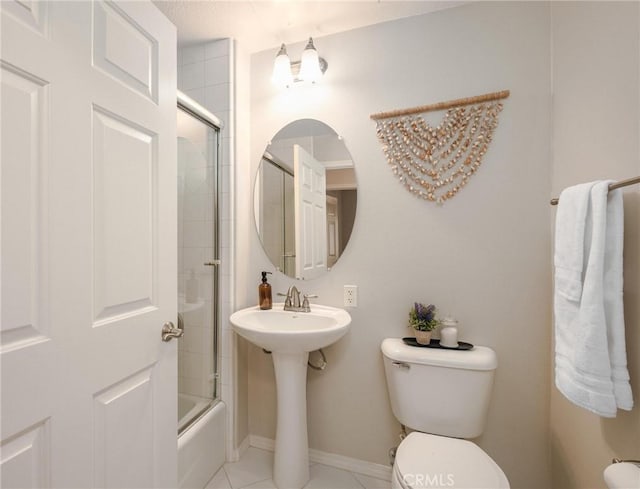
<point>290,336</point>
<point>279,330</point>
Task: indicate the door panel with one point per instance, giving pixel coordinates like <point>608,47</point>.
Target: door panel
<point>124,171</point>
<point>88,245</point>
<point>310,213</point>
<point>124,50</point>
<point>25,457</point>
<point>32,14</point>
<point>123,444</point>
<point>24,215</point>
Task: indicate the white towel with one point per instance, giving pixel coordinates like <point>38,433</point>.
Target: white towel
<point>589,325</point>
<point>613,303</point>
<point>568,257</point>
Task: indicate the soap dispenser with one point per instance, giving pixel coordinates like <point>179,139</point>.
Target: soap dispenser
<point>264,293</point>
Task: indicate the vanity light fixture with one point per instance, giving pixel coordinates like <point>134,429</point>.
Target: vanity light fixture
<point>309,69</point>
<point>282,74</point>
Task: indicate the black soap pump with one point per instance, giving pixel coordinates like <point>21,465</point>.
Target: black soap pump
<point>264,293</point>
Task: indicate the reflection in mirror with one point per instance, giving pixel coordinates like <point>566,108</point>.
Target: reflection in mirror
<point>305,199</point>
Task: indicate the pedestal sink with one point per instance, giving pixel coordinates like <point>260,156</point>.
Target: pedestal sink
<point>290,336</point>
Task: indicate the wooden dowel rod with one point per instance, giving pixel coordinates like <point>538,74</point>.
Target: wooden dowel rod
<point>442,105</point>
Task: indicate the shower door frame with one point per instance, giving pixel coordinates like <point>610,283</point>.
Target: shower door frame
<point>286,254</point>
<point>194,109</point>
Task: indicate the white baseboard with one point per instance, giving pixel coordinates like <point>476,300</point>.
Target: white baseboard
<point>363,467</point>
<point>238,452</point>
<point>262,442</point>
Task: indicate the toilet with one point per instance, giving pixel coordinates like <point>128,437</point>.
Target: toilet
<point>443,395</point>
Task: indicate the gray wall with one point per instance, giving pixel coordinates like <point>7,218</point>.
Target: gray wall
<point>596,135</point>
<point>484,256</point>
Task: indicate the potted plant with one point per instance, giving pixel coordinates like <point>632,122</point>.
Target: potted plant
<point>423,320</point>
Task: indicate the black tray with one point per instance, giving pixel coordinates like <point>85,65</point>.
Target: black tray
<point>411,341</point>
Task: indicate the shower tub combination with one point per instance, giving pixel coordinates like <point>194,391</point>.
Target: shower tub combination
<point>201,444</point>
<point>201,414</point>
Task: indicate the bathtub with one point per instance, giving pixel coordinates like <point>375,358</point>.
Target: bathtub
<point>201,447</point>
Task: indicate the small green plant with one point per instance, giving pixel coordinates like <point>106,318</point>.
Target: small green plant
<point>423,318</point>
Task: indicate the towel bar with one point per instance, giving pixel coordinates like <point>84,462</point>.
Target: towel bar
<point>613,186</point>
<point>618,461</point>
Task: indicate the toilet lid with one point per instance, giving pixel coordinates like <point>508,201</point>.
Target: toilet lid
<point>431,461</point>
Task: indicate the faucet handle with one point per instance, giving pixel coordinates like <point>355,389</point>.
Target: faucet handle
<point>287,301</point>
<point>305,302</point>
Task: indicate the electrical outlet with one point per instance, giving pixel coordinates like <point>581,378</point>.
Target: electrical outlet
<point>351,296</point>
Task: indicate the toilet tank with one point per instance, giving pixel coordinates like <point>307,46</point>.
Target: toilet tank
<point>439,391</point>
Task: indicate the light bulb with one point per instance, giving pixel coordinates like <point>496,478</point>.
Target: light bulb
<point>282,75</point>
<point>310,64</point>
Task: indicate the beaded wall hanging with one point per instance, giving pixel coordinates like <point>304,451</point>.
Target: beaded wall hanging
<point>434,163</point>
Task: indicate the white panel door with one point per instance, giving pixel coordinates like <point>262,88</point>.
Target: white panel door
<point>88,245</point>
<point>310,186</point>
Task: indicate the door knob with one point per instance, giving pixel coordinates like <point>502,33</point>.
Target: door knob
<point>169,331</point>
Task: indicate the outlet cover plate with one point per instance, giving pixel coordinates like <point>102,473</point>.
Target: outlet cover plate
<point>351,296</point>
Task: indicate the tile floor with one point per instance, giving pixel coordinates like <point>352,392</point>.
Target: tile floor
<point>254,471</point>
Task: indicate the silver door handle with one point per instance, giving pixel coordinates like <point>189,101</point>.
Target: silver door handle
<point>212,263</point>
<point>169,331</point>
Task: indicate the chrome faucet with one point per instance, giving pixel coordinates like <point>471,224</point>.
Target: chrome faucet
<point>292,300</point>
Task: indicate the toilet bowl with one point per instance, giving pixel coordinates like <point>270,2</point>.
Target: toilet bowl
<point>444,396</point>
<point>432,461</point>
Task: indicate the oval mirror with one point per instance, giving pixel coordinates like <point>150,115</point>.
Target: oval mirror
<point>305,199</point>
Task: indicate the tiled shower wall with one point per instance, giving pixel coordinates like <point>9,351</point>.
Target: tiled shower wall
<point>205,73</point>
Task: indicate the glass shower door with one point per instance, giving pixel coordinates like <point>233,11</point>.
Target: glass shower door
<point>198,143</point>
<point>275,215</point>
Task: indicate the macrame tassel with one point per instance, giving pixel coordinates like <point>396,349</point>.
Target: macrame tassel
<point>434,163</point>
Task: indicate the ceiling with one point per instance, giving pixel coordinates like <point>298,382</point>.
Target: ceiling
<point>265,24</point>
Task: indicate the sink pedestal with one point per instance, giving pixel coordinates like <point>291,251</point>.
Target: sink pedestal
<point>289,336</point>
<point>291,458</point>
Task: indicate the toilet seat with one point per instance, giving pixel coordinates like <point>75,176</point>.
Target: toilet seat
<point>432,461</point>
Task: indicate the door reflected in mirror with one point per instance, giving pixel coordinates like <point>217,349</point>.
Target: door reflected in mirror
<point>305,199</point>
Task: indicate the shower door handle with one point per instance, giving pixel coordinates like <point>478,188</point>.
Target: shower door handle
<point>212,263</point>
<point>169,331</point>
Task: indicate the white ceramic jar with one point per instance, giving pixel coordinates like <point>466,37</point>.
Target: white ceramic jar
<point>449,333</point>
